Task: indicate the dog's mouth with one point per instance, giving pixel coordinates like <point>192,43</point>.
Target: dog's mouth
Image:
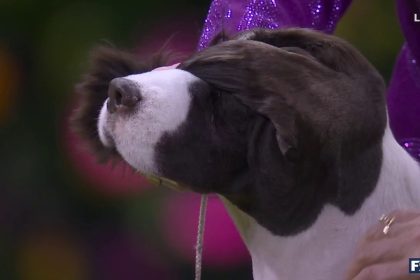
<point>105,124</point>
<point>110,143</point>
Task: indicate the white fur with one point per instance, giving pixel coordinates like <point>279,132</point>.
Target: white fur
<point>164,107</point>
<point>323,252</point>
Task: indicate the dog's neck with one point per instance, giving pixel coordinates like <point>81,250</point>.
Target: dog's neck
<point>324,250</point>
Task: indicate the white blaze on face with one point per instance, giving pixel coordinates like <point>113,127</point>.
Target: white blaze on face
<point>163,108</point>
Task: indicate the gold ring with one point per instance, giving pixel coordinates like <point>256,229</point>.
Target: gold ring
<point>387,221</point>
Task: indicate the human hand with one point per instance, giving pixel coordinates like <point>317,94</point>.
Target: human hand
<point>382,256</point>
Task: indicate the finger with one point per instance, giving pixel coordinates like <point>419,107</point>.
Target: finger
<point>379,251</point>
<point>401,229</point>
<point>400,216</point>
<point>385,250</point>
<point>396,270</point>
<point>374,233</point>
<point>377,247</point>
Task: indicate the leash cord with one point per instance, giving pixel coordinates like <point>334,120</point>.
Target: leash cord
<point>200,235</point>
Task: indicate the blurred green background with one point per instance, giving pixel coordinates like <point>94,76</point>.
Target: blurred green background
<point>62,216</point>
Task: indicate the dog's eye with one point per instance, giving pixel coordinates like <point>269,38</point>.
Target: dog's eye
<point>292,154</point>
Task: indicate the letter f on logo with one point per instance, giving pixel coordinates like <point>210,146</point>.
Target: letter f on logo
<point>414,265</point>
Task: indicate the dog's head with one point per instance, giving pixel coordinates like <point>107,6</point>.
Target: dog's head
<point>279,122</point>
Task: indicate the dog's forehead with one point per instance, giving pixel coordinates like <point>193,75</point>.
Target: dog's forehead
<point>164,79</point>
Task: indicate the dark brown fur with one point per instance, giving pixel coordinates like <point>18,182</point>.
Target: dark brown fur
<point>319,92</point>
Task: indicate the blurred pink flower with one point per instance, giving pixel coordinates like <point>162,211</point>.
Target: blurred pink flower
<point>109,179</point>
<point>10,78</point>
<point>178,35</point>
<point>119,255</point>
<point>51,253</point>
<point>223,246</point>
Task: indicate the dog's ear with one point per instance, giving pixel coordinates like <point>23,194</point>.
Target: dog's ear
<point>298,74</point>
<point>322,96</point>
<point>270,80</point>
<point>329,50</point>
<point>106,63</point>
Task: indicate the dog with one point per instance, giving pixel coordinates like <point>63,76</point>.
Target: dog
<point>289,126</point>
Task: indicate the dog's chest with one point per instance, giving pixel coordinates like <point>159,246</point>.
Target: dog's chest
<point>325,249</point>
<point>321,252</point>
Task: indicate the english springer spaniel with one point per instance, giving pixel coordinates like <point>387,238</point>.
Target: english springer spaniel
<point>288,126</point>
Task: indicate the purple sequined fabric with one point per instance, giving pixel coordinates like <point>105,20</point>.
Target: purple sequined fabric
<point>233,16</point>
<point>404,88</point>
<point>412,145</point>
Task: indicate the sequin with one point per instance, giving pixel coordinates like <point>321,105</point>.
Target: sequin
<point>412,145</point>
<point>232,16</point>
<point>413,68</point>
<point>262,14</point>
<point>404,88</point>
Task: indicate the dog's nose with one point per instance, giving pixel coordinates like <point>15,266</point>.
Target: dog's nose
<point>123,94</point>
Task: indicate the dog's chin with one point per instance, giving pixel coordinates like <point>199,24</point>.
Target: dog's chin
<point>109,127</point>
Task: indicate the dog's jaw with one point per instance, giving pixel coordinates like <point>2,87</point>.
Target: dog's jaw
<point>163,108</point>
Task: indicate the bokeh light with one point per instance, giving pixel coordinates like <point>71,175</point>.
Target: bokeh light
<point>111,179</point>
<point>9,80</point>
<point>121,256</point>
<point>64,44</point>
<point>223,246</point>
<point>51,254</point>
<point>174,34</point>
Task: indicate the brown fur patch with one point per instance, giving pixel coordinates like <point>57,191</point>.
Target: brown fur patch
<point>322,96</point>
